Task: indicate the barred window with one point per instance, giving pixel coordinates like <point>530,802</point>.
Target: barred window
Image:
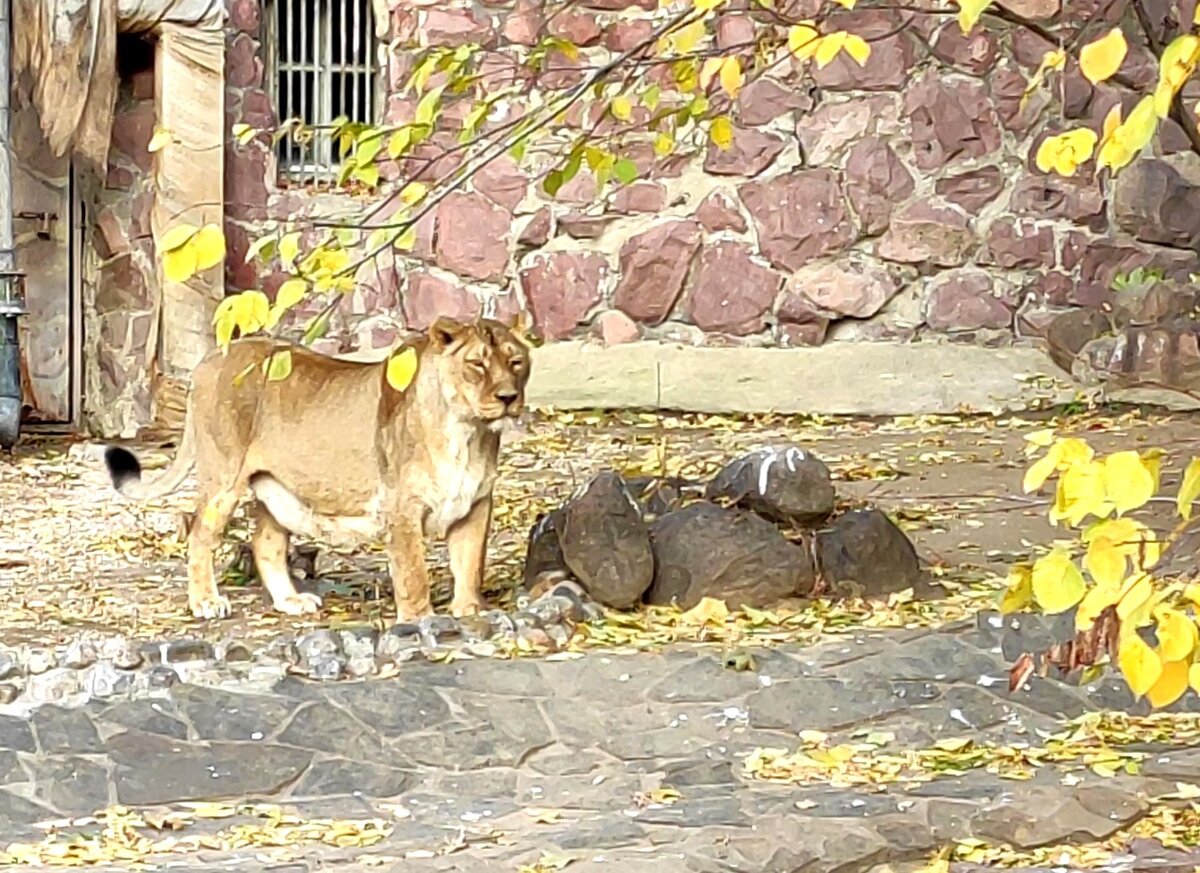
<point>320,58</point>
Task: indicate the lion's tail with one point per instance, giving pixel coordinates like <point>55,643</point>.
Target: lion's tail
<point>125,469</point>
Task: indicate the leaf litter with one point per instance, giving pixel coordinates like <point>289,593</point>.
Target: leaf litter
<point>81,560</point>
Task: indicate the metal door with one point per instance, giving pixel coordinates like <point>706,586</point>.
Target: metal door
<point>42,230</point>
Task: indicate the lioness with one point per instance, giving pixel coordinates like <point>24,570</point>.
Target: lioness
<point>336,453</point>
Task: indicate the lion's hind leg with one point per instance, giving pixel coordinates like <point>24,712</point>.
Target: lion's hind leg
<point>270,546</point>
<point>208,524</point>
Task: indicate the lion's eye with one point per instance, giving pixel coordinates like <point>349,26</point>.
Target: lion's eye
<point>516,363</point>
<point>477,365</point>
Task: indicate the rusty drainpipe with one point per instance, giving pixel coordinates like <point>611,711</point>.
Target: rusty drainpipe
<point>11,281</point>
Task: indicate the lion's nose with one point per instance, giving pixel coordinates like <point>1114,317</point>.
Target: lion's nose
<point>507,395</point>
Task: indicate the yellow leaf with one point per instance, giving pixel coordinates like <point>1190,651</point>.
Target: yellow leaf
<point>1128,484</point>
<point>708,611</point>
<point>1101,58</point>
<point>663,144</point>
<point>1019,591</point>
<point>1064,153</point>
<point>290,293</point>
<point>209,243</point>
<point>829,47</point>
<point>545,816</point>
<point>1189,489</point>
<point>969,13</point>
<point>179,265</point>
<point>402,368</point>
<point>1099,598</point>
<point>413,191</point>
<point>160,140</point>
<point>289,249</point>
<point>1138,663</point>
<point>1039,472</point>
<point>1135,595</point>
<point>857,48</point>
<point>1176,634</point>
<point>407,239</point>
<point>177,237</point>
<point>731,76</point>
<point>721,132</point>
<point>1081,492</point>
<point>1105,561</point>
<point>1172,682</point>
<point>846,4</point>
<point>621,107</point>
<point>279,365</point>
<point>1041,438</point>
<point>707,5</point>
<point>252,310</point>
<point>803,40</point>
<point>686,38</point>
<point>1057,583</point>
<point>224,322</point>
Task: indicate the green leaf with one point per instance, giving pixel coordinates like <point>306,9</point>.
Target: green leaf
<point>625,170</point>
<point>279,365</point>
<point>553,182</point>
<point>428,106</point>
<point>398,142</point>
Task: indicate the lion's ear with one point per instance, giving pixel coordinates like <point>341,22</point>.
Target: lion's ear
<point>445,332</point>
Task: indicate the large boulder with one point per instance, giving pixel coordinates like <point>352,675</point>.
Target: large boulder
<point>703,550</point>
<point>863,553</point>
<point>605,542</point>
<point>783,484</point>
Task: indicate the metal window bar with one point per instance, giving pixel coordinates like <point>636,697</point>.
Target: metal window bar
<point>322,66</point>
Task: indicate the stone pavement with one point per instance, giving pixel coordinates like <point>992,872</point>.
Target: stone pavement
<point>608,761</point>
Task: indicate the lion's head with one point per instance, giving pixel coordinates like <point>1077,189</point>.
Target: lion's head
<point>483,367</point>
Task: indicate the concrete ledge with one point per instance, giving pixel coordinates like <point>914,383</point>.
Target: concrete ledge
<point>836,379</point>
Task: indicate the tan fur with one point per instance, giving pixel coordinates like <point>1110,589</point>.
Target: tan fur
<point>335,453</point>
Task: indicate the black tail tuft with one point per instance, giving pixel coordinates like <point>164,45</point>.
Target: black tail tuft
<point>123,466</point>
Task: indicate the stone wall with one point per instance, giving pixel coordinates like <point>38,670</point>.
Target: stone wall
<point>120,286</point>
<point>885,202</point>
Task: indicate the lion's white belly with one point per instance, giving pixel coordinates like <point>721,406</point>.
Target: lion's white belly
<point>454,491</point>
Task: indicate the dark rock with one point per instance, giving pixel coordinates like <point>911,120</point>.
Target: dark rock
<point>703,550</point>
<point>833,704</point>
<point>151,716</point>
<point>605,542</point>
<point>123,654</point>
<point>865,548</point>
<point>233,651</point>
<point>764,99</point>
<point>73,785</point>
<point>1153,202</point>
<point>1019,243</point>
<point>330,729</point>
<point>1040,815</point>
<point>1070,331</point>
<point>893,53</point>
<point>783,484</point>
<point>390,708</point>
<point>335,776</point>
<point>217,714</point>
<point>843,289</point>
<point>153,770</point>
<point>15,734</point>
<point>717,212</point>
<point>972,190</point>
<point>188,650</point>
<point>436,629</point>
<point>543,554</point>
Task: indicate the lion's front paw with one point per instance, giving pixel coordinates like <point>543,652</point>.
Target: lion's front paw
<point>210,605</point>
<point>299,604</point>
<point>463,608</point>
